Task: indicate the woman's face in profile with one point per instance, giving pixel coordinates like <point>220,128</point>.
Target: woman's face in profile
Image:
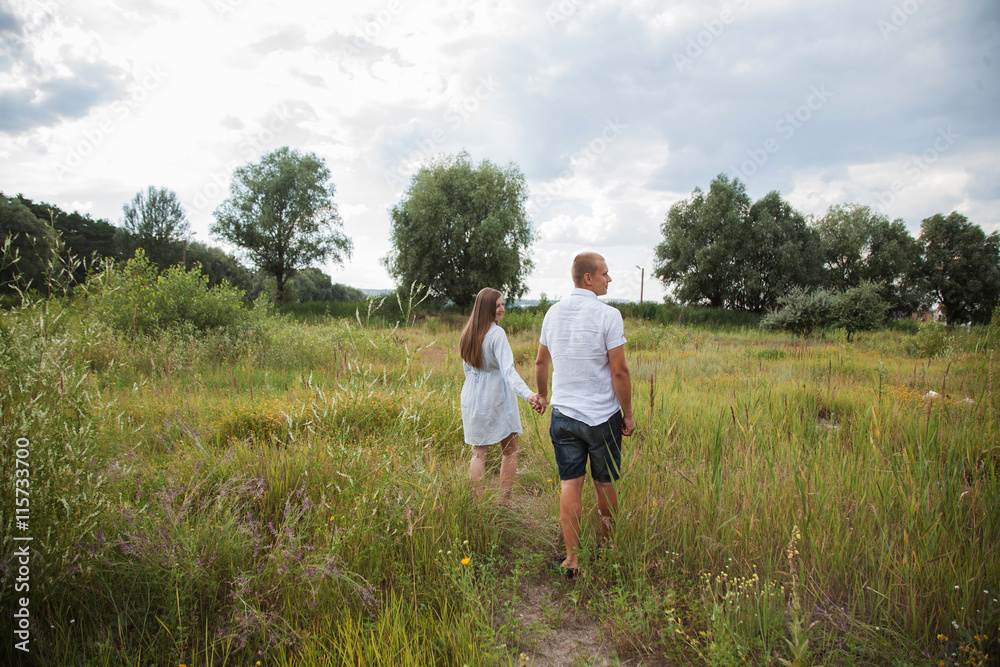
<point>500,310</point>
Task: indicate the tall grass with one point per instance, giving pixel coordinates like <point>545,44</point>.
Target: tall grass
<point>299,497</point>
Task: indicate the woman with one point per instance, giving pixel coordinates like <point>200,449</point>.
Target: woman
<point>489,395</point>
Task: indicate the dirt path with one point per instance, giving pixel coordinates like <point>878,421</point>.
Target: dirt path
<point>558,631</point>
<point>562,634</point>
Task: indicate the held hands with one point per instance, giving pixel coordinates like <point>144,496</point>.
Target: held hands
<point>538,403</point>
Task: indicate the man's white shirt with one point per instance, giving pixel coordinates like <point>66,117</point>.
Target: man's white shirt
<point>578,332</point>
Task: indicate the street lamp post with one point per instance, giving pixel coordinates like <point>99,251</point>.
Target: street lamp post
<point>642,280</point>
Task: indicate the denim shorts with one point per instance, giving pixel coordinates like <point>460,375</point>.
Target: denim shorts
<point>575,441</point>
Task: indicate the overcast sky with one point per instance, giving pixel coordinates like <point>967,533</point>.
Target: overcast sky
<point>612,110</point>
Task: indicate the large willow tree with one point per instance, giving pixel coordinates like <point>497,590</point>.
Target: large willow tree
<point>460,228</point>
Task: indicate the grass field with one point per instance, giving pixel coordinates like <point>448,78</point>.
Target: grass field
<point>295,493</point>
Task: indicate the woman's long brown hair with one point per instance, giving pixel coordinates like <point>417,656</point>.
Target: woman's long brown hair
<point>484,314</point>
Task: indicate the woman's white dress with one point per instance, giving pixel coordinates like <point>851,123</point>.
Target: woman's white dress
<point>489,395</point>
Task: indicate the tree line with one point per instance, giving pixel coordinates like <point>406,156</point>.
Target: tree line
<point>461,226</point>
<point>722,250</point>
<point>155,222</point>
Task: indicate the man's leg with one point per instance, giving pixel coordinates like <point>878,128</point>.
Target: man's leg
<point>570,508</point>
<point>605,467</point>
<point>477,469</point>
<point>508,466</point>
<point>607,507</point>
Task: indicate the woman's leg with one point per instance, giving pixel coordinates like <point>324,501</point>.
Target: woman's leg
<point>508,466</point>
<point>477,469</point>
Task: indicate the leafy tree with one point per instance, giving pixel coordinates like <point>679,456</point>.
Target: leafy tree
<point>218,265</point>
<point>88,239</point>
<point>961,266</point>
<point>860,308</point>
<point>28,246</point>
<point>280,211</point>
<point>460,228</point>
<point>720,250</point>
<point>702,236</point>
<point>782,252</point>
<point>862,245</point>
<point>314,285</point>
<point>155,221</point>
<point>341,292</point>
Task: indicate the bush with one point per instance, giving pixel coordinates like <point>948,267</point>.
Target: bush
<point>932,340</point>
<point>860,308</point>
<point>801,311</point>
<point>136,298</point>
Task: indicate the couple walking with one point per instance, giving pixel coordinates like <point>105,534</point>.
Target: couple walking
<point>583,340</point>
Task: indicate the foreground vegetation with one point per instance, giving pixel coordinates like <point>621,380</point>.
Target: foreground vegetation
<point>294,492</point>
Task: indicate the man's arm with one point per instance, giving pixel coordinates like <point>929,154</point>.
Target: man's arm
<point>542,375</point>
<point>621,380</point>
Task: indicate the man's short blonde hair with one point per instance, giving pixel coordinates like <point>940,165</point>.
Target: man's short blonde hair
<point>584,263</point>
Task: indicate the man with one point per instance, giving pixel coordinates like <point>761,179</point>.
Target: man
<point>584,340</point>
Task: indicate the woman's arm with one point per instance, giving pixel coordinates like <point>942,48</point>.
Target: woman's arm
<point>505,359</point>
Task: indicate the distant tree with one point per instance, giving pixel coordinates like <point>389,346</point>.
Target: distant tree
<point>341,292</point>
<point>860,245</point>
<point>460,228</point>
<point>721,251</point>
<point>280,211</point>
<point>781,252</point>
<point>155,221</point>
<point>28,246</point>
<point>218,265</point>
<point>961,267</point>
<point>87,239</point>
<point>311,285</point>
<point>859,308</point>
<point>314,285</point>
<point>702,239</point>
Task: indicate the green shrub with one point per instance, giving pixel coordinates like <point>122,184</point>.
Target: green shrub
<point>517,320</point>
<point>934,339</point>
<point>860,308</point>
<point>136,298</point>
<point>801,311</point>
